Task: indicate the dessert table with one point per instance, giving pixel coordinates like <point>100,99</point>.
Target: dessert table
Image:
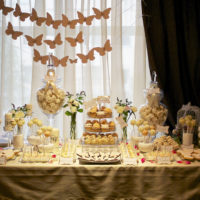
<point>54,181</point>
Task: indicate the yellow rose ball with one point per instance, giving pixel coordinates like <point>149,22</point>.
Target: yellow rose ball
<point>30,123</point>
<point>39,132</point>
<point>152,132</point>
<point>181,121</point>
<point>193,122</point>
<point>141,128</point>
<point>133,122</point>
<point>144,132</point>
<point>47,133</point>
<point>39,123</point>
<point>189,117</point>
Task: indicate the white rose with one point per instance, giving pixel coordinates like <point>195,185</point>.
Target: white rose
<point>76,103</point>
<point>73,109</point>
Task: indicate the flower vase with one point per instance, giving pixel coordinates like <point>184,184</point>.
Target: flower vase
<point>18,138</point>
<point>124,135</point>
<point>73,127</point>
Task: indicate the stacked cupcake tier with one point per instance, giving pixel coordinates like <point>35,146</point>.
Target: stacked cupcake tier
<point>100,127</point>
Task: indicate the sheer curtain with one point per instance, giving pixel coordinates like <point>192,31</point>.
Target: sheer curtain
<point>122,73</point>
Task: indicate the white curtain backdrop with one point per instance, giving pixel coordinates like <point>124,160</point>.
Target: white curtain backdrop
<point>122,73</point>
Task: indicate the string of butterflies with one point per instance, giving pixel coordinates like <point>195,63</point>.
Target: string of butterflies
<point>57,41</point>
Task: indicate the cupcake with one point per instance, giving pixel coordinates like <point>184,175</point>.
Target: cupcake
<point>96,127</point>
<point>100,114</point>
<point>112,126</point>
<point>93,112</point>
<point>108,112</point>
<point>88,126</point>
<point>105,127</point>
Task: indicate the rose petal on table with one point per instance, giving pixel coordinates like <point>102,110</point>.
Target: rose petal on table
<point>180,161</point>
<point>135,147</point>
<point>174,151</point>
<point>54,156</point>
<point>187,162</point>
<point>138,154</point>
<point>143,160</point>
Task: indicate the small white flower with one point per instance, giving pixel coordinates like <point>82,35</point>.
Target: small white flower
<point>73,109</point>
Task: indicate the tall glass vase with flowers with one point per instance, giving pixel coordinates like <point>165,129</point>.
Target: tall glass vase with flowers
<point>125,110</point>
<point>74,104</point>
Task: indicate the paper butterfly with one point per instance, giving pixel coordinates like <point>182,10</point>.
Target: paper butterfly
<point>34,17</point>
<point>20,14</point>
<point>66,22</point>
<point>62,61</point>
<point>85,58</point>
<point>52,44</point>
<point>50,21</point>
<point>10,31</point>
<point>73,41</point>
<point>32,41</point>
<point>5,9</point>
<point>82,19</point>
<point>73,61</point>
<point>99,14</point>
<point>37,57</point>
<point>102,50</point>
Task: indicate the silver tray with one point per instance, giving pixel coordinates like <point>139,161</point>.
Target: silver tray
<point>85,161</point>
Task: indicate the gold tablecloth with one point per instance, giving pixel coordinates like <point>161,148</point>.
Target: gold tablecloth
<point>54,181</point>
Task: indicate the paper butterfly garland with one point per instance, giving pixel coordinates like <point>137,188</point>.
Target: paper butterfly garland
<point>5,9</point>
<point>85,58</point>
<point>34,17</point>
<point>73,61</point>
<point>52,44</point>
<point>99,14</point>
<point>66,22</point>
<point>50,21</point>
<point>20,14</point>
<point>87,20</point>
<point>102,50</point>
<point>37,57</point>
<point>57,41</point>
<point>32,41</point>
<point>62,61</point>
<point>73,41</point>
<point>10,31</point>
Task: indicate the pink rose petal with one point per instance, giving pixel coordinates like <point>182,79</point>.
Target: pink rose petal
<point>136,147</point>
<point>187,162</point>
<point>174,151</point>
<point>143,160</point>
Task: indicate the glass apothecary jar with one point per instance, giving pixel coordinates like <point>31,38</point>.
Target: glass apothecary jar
<point>153,111</point>
<point>50,97</point>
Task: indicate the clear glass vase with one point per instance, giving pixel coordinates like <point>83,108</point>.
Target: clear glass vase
<point>73,127</point>
<point>18,138</point>
<point>124,135</point>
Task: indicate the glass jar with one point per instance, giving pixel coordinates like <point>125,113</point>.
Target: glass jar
<point>154,112</point>
<point>50,97</point>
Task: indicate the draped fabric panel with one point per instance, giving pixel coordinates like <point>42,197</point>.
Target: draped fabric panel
<point>173,43</point>
<point>115,74</point>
